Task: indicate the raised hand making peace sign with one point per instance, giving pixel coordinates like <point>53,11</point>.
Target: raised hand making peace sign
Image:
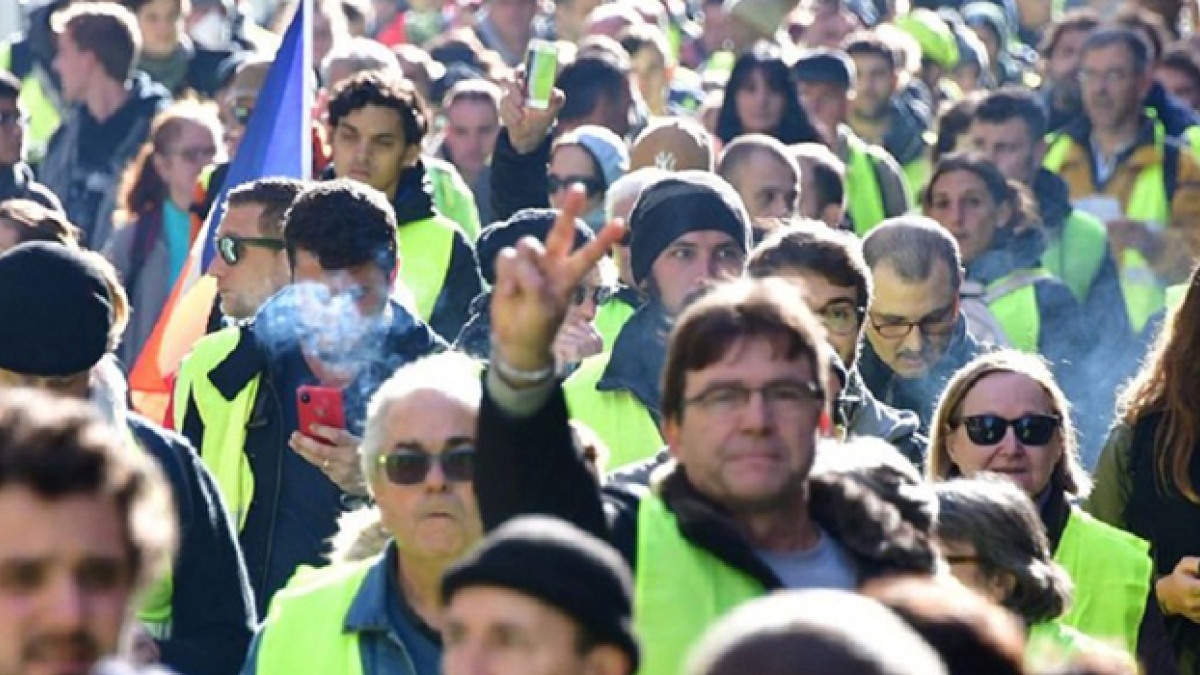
<point>534,283</point>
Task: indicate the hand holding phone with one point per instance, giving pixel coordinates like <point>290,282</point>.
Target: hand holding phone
<point>317,405</point>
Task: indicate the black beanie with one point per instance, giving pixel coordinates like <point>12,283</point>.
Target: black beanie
<point>55,309</point>
<point>683,202</point>
<point>534,223</point>
<point>560,565</point>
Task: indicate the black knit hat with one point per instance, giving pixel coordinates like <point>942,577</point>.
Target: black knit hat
<point>560,565</point>
<point>683,202</point>
<point>55,309</point>
<point>534,223</point>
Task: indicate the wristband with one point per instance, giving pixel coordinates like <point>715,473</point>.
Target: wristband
<point>521,378</point>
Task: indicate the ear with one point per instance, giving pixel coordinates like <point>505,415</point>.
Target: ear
<point>411,154</point>
<point>670,432</point>
<point>1039,151</point>
<point>1001,585</point>
<point>1006,215</point>
<point>160,164</point>
<point>606,660</point>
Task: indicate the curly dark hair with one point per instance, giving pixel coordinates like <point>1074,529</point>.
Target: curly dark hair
<point>385,90</point>
<point>343,223</point>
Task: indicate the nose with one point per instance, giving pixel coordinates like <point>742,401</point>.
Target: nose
<point>757,415</point>
<point>218,268</point>
<point>914,341</point>
<point>435,480</point>
<point>66,607</point>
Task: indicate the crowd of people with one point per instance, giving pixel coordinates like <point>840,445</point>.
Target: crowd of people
<point>848,337</point>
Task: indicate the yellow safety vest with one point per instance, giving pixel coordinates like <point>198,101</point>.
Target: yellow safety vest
<point>453,196</point>
<point>610,319</point>
<point>1077,255</point>
<point>305,628</point>
<point>1110,570</point>
<point>44,117</point>
<point>1174,296</point>
<point>679,590</point>
<point>426,247</point>
<point>864,196</point>
<point>1147,202</point>
<point>1013,301</point>
<point>223,447</point>
<point>1053,644</point>
<point>617,417</point>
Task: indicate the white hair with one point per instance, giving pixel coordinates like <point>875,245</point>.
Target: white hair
<point>361,55</point>
<point>628,187</point>
<point>454,375</point>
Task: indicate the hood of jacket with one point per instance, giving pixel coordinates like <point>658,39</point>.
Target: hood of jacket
<point>1022,250</point>
<point>918,394</point>
<point>1053,200</point>
<point>911,119</point>
<point>864,415</point>
<point>638,356</point>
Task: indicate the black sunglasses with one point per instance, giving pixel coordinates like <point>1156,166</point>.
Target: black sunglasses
<point>1030,429</point>
<point>232,248</point>
<point>593,186</point>
<point>410,467</point>
<point>599,294</point>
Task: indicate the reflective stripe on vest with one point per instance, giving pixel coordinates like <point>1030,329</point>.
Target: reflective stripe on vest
<point>1076,256</point>
<point>305,628</point>
<point>617,417</point>
<point>1013,301</point>
<point>863,194</point>
<point>44,117</point>
<point>610,318</point>
<point>1110,570</point>
<point>1147,202</point>
<point>679,590</point>
<point>223,447</point>
<point>155,612</point>
<point>425,250</point>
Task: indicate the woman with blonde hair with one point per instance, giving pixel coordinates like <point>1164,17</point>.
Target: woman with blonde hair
<point>1148,476</point>
<point>154,227</point>
<point>1004,414</point>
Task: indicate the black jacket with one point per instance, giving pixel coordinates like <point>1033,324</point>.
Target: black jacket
<point>917,394</point>
<point>530,465</point>
<point>911,120</point>
<point>17,182</point>
<point>638,357</point>
<point>212,611</point>
<point>295,507</point>
<point>518,181</point>
<point>413,202</point>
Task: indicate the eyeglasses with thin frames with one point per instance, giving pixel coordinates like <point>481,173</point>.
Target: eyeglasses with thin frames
<point>784,398</point>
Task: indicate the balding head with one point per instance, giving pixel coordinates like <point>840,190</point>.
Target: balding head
<point>764,173</point>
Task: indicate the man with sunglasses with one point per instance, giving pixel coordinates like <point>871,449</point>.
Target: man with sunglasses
<point>239,393</point>
<point>836,286</point>
<point>917,336</point>
<point>383,615</point>
<point>251,265</point>
<point>16,178</point>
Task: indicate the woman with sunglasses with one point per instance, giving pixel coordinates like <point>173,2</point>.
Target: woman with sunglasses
<point>593,157</point>
<point>1148,476</point>
<point>1004,414</point>
<point>154,229</point>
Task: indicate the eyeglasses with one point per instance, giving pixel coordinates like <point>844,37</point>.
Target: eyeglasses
<point>11,118</point>
<point>1030,429</point>
<point>411,467</point>
<point>782,398</point>
<point>196,155</point>
<point>1112,76</point>
<point>241,114</point>
<point>232,248</point>
<point>593,186</point>
<point>938,323</point>
<point>598,294</point>
<point>841,317</point>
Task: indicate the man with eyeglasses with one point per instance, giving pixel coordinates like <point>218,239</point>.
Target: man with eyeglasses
<point>250,265</point>
<point>745,398</point>
<point>333,335</point>
<point>16,178</point>
<point>917,336</point>
<point>382,615</point>
<point>1123,166</point>
<point>836,286</point>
